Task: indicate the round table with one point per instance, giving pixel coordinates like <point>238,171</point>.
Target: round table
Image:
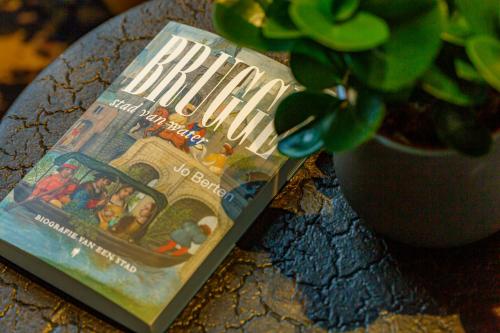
<point>308,264</point>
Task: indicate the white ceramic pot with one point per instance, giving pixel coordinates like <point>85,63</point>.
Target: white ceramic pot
<point>423,198</point>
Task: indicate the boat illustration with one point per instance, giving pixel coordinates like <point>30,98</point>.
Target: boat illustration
<point>87,167</point>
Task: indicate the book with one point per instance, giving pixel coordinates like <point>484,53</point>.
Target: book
<point>143,197</point>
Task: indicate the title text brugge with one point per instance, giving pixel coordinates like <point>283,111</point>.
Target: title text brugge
<point>151,83</point>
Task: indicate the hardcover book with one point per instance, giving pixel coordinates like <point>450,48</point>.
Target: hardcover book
<point>136,205</point>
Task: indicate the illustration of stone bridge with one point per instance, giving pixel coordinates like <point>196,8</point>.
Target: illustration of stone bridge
<point>163,157</point>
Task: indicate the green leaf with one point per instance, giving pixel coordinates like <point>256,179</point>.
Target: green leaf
<point>313,68</point>
<point>278,23</point>
<point>481,15</point>
<point>241,20</point>
<point>344,9</point>
<point>264,3</point>
<point>484,53</point>
<point>307,140</point>
<point>461,131</point>
<point>410,51</point>
<point>436,83</point>
<point>398,96</point>
<point>362,32</point>
<point>457,30</point>
<point>466,71</point>
<point>298,107</point>
<point>397,9</point>
<point>293,111</point>
<point>273,28</point>
<point>355,124</point>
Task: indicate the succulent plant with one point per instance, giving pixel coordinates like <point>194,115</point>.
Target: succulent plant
<point>356,57</point>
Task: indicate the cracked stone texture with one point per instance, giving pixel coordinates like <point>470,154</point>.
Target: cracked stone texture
<point>308,264</point>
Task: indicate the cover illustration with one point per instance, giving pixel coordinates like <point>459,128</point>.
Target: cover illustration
<point>155,173</point>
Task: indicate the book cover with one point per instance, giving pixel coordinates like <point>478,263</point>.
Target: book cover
<point>145,194</point>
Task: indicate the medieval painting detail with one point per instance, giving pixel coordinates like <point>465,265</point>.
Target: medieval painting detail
<point>155,173</point>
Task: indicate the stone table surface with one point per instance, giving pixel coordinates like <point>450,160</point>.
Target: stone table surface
<point>308,264</point>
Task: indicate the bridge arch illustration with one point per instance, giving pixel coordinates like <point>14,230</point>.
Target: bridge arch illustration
<point>162,157</point>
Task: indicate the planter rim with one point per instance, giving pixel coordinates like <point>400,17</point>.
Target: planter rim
<point>420,151</point>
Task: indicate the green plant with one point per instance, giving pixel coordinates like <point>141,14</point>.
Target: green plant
<point>375,53</point>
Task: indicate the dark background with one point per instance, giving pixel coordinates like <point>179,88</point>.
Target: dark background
<point>34,32</point>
